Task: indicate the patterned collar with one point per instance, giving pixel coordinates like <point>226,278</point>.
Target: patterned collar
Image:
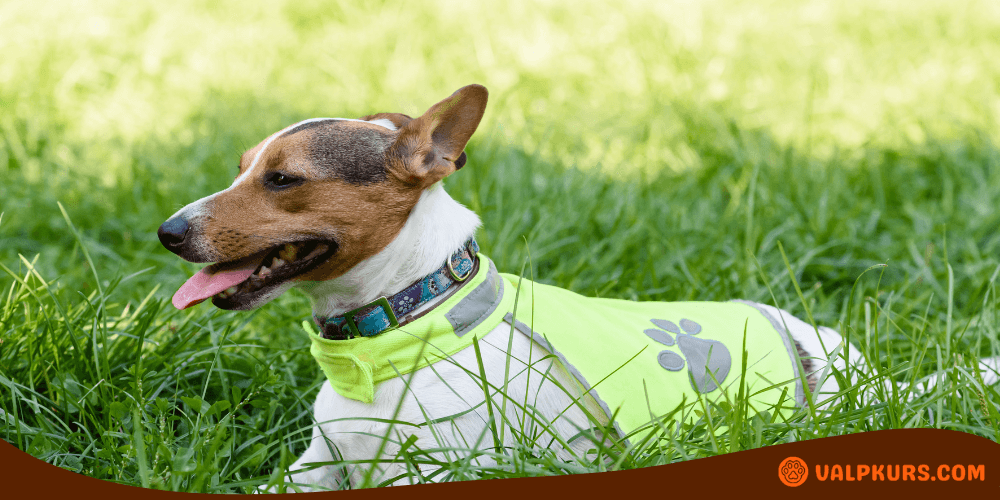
<point>381,314</point>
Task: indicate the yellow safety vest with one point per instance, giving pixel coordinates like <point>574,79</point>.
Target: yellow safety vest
<point>639,359</point>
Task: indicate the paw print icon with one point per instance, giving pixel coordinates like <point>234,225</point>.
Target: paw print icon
<point>708,361</point>
<point>793,471</point>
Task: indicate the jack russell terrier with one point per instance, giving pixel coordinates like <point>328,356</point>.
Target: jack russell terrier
<point>414,325</point>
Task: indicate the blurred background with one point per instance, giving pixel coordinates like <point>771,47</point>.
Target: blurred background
<point>126,111</point>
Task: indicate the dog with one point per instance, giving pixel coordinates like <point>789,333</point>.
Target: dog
<point>414,325</point>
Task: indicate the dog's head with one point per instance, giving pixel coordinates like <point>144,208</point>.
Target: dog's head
<point>316,198</point>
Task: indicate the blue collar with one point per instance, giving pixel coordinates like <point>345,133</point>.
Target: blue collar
<point>381,314</point>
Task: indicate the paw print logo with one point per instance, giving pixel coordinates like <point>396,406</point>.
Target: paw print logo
<point>708,361</point>
<point>792,471</point>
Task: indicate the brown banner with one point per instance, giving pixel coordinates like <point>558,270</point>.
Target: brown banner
<point>926,461</point>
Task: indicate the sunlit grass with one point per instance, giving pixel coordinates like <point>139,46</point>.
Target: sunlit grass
<point>584,83</point>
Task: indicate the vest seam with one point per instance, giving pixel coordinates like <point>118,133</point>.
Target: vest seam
<point>779,328</point>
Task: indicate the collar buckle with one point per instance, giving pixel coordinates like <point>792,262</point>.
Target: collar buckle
<point>454,275</point>
<point>381,301</point>
<point>470,249</point>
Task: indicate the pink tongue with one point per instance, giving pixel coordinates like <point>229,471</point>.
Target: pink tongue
<point>205,284</point>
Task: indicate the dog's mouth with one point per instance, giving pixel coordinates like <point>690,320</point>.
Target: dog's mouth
<point>239,284</point>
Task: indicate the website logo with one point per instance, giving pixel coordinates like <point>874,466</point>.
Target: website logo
<point>793,471</point>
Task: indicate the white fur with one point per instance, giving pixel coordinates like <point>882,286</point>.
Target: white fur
<point>385,122</point>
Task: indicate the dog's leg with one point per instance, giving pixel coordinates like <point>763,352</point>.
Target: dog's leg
<point>989,369</point>
<point>351,431</point>
<point>361,433</point>
<point>305,477</point>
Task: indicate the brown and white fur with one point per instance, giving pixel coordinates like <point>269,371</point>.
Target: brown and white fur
<point>370,191</point>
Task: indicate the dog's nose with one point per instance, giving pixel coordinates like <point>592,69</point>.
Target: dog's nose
<point>172,233</point>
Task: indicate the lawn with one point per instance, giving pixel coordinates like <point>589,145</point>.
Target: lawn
<point>768,150</point>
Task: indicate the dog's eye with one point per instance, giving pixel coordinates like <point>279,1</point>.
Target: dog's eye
<point>279,179</point>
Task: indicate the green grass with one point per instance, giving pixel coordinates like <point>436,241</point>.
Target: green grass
<point>653,151</point>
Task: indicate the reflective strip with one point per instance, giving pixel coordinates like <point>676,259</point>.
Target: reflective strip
<point>475,307</point>
<point>540,340</point>
<point>800,394</point>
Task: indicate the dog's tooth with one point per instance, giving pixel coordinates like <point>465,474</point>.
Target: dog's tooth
<point>263,271</point>
<point>231,290</point>
<point>276,263</point>
<point>288,253</point>
<point>317,250</point>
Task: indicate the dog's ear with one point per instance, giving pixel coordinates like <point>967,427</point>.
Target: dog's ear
<point>430,147</point>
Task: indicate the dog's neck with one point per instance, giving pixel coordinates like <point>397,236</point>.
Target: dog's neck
<point>438,225</point>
